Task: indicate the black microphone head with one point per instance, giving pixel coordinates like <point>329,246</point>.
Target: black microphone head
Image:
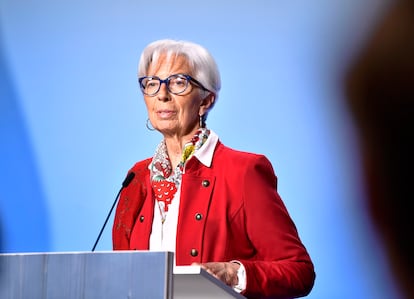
<point>128,179</point>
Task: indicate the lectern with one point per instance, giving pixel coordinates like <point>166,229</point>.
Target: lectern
<point>105,275</point>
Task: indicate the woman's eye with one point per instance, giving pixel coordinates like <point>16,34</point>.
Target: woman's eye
<point>179,82</point>
<point>152,83</point>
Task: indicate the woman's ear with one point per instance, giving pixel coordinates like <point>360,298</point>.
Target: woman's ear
<point>207,103</point>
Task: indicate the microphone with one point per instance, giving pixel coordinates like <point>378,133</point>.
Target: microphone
<point>125,184</point>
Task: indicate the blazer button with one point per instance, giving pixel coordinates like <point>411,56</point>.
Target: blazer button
<point>141,219</point>
<point>194,252</point>
<point>205,183</point>
<point>198,216</point>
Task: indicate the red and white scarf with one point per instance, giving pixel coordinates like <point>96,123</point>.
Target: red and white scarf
<point>164,179</point>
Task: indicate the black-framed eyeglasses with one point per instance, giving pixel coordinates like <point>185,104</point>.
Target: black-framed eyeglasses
<point>176,84</point>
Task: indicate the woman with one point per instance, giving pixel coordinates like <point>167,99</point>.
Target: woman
<point>210,204</point>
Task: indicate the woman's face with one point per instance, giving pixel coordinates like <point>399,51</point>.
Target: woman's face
<point>175,115</point>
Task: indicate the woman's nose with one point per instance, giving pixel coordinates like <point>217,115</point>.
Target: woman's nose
<point>163,93</point>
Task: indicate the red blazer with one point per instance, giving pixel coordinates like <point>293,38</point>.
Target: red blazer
<point>230,211</point>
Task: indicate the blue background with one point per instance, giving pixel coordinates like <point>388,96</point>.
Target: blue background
<point>72,119</point>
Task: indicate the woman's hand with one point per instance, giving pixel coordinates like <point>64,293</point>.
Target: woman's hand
<point>225,271</point>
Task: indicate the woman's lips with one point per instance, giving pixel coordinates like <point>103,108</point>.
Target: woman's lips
<point>165,114</point>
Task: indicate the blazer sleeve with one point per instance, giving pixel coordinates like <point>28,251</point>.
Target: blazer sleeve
<point>282,267</point>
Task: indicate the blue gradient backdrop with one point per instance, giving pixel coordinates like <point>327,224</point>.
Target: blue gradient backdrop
<point>72,119</point>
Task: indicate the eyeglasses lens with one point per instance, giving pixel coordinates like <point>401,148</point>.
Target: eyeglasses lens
<point>177,84</point>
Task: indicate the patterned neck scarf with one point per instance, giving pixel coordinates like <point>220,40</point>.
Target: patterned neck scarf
<point>164,179</point>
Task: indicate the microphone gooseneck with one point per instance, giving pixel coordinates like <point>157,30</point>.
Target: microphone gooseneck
<point>130,176</point>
